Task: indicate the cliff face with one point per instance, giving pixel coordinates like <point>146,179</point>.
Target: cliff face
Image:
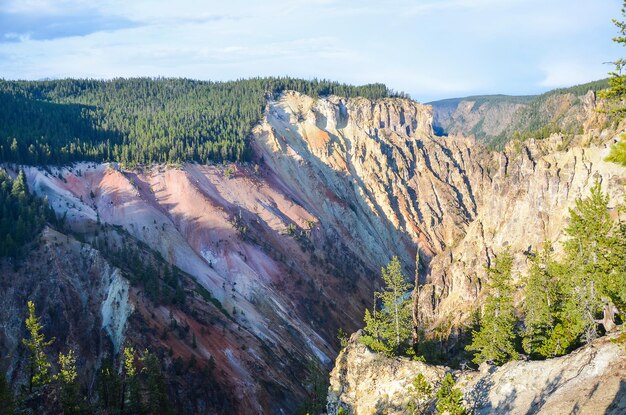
<point>486,117</point>
<point>588,381</point>
<point>495,118</point>
<point>292,247</point>
<point>523,195</point>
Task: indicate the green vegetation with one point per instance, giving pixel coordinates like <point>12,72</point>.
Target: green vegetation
<point>316,384</point>
<point>7,402</point>
<point>568,302</point>
<point>616,92</point>
<point>420,392</point>
<point>388,330</point>
<point>565,301</point>
<point>342,336</point>
<point>542,301</point>
<point>495,339</point>
<point>71,399</point>
<point>618,153</point>
<point>38,363</point>
<point>533,119</point>
<point>142,266</point>
<point>143,120</point>
<point>449,398</point>
<point>595,263</point>
<point>138,387</point>
<point>22,215</point>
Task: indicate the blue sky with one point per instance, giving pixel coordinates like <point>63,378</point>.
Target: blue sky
<point>429,48</point>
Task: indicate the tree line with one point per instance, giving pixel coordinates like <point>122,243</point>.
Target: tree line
<point>144,120</point>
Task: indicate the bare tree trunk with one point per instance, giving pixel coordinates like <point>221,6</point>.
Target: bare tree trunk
<point>396,305</point>
<point>608,320</point>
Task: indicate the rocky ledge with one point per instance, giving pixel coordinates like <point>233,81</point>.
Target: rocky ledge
<point>591,380</point>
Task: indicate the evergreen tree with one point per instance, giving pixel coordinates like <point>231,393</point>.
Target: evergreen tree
<point>592,279</point>
<point>596,260</point>
<point>616,93</point>
<point>39,366</point>
<point>495,339</point>
<point>131,393</point>
<point>143,120</point>
<point>109,387</point>
<point>449,398</point>
<point>22,215</point>
<point>316,384</point>
<point>70,390</point>
<point>389,330</point>
<point>156,390</point>
<point>542,301</point>
<point>420,392</point>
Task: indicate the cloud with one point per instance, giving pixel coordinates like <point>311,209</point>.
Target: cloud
<point>559,74</point>
<point>429,49</point>
<point>23,27</point>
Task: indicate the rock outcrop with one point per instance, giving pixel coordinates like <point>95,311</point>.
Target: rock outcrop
<point>591,380</point>
<point>363,382</point>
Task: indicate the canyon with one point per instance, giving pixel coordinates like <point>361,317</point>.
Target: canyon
<point>278,254</point>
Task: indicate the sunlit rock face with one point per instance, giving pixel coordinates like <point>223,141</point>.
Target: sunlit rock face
<point>589,380</point>
<point>291,245</point>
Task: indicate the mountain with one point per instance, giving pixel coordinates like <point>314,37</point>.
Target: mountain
<point>495,119</point>
<point>272,256</point>
<point>238,275</point>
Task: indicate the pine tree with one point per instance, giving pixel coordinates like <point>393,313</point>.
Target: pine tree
<point>156,391</point>
<point>495,339</point>
<point>420,392</point>
<point>389,329</point>
<point>595,258</point>
<point>70,390</point>
<point>39,366</point>
<point>542,301</point>
<point>616,93</point>
<point>131,396</point>
<point>109,386</point>
<point>449,398</point>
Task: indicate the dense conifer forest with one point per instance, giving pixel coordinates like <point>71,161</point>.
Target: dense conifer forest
<point>22,214</point>
<point>143,120</point>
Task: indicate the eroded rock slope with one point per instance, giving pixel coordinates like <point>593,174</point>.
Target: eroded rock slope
<point>291,246</point>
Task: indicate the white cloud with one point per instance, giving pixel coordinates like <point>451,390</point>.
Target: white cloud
<point>429,49</point>
<point>567,73</point>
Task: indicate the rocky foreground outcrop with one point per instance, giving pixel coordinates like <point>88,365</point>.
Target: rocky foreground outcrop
<point>591,380</point>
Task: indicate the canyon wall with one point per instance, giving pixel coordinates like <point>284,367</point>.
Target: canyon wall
<point>290,246</point>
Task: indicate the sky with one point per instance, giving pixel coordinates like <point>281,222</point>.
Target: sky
<point>431,49</point>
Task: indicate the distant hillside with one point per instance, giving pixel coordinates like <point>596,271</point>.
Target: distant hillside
<point>143,120</point>
<point>496,119</point>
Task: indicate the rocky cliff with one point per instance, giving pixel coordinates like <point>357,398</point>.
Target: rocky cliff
<point>279,254</point>
<point>494,119</point>
<point>591,380</point>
